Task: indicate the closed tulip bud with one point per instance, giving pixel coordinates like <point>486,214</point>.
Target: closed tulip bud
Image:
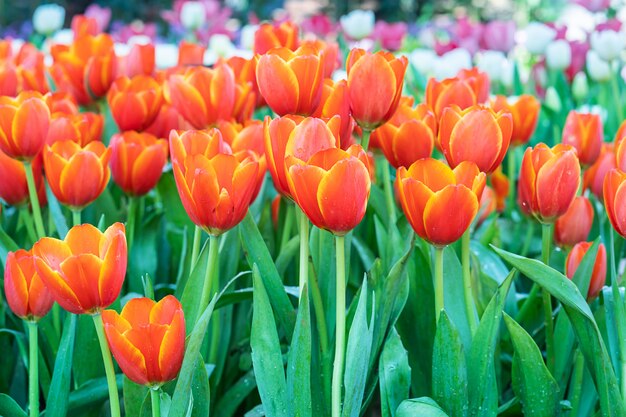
<point>332,187</point>
<point>597,68</point>
<point>77,175</point>
<point>608,44</point>
<point>558,55</point>
<point>141,60</point>
<point>137,161</point>
<point>375,83</point>
<point>440,203</point>
<point>82,128</point>
<point>167,120</point>
<point>538,37</point>
<point>26,294</point>
<point>478,80</point>
<point>358,24</point>
<point>580,87</point>
<point>409,135</point>
<point>574,226</point>
<point>135,102</point>
<point>598,275</point>
<point>584,132</point>
<point>190,54</point>
<point>593,177</point>
<point>192,15</point>
<point>24,123</point>
<point>14,192</point>
<point>335,101</point>
<point>269,36</point>
<point>215,186</point>
<point>525,113</point>
<point>85,271</point>
<point>84,26</point>
<point>548,181</point>
<point>477,134</point>
<point>451,91</point>
<point>615,199</point>
<point>203,95</point>
<point>48,18</point>
<point>147,339</point>
<point>552,100</point>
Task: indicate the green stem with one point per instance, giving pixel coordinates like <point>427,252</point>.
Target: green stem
<point>577,382</point>
<point>34,199</point>
<point>33,370</point>
<point>287,226</point>
<point>28,223</point>
<point>304,250</point>
<point>210,276</point>
<point>616,98</point>
<point>438,282</point>
<point>114,399</point>
<point>546,240</point>
<point>155,396</point>
<point>340,330</point>
<point>76,216</point>
<point>195,250</point>
<point>511,174</point>
<point>388,186</point>
<point>618,307</point>
<point>130,220</point>
<point>320,320</point>
<point>470,308</point>
<point>365,139</point>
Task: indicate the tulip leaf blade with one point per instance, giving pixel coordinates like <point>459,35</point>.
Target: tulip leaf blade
<point>9,408</point>
<point>394,374</point>
<point>134,396</point>
<point>192,292</point>
<point>57,213</point>
<point>236,394</point>
<point>585,327</point>
<point>533,384</point>
<point>299,362</point>
<point>423,407</point>
<point>6,245</point>
<point>58,396</point>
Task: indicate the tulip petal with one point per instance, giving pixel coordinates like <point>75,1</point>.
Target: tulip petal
<point>449,213</point>
<point>82,179</point>
<point>433,173</point>
<point>414,140</point>
<point>137,312</point>
<point>372,89</point>
<point>278,84</point>
<point>30,126</point>
<point>129,358</point>
<point>84,238</point>
<point>172,346</point>
<point>475,125</point>
<point>414,196</point>
<point>81,273</point>
<point>113,268</point>
<point>60,290</point>
<point>557,183</point>
<point>304,181</point>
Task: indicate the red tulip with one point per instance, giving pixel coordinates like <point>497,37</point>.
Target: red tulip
<point>598,275</point>
<point>270,36</point>
<point>593,177</point>
<point>15,191</point>
<point>615,199</point>
<point>525,113</point>
<point>24,123</point>
<point>574,226</point>
<point>26,293</point>
<point>135,102</point>
<point>584,132</point>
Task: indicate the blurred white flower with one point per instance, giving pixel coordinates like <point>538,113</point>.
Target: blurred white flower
<point>493,63</point>
<point>423,60</point>
<point>599,69</point>
<point>608,44</point>
<point>580,86</point>
<point>63,37</point>
<point>358,24</point>
<point>121,49</point>
<point>220,46</point>
<point>48,18</point>
<point>537,37</point>
<point>139,40</point>
<point>508,74</point>
<point>552,100</point>
<point>450,63</point>
<point>340,74</point>
<point>246,36</point>
<point>192,15</point>
<point>165,55</point>
<point>558,55</point>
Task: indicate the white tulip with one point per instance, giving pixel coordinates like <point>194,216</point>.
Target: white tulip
<point>599,69</point>
<point>493,63</point>
<point>358,24</point>
<point>538,36</point>
<point>608,44</point>
<point>165,55</point>
<point>246,38</point>
<point>450,63</point>
<point>48,18</point>
<point>552,100</point>
<point>423,60</point>
<point>580,86</point>
<point>192,15</point>
<point>558,55</point>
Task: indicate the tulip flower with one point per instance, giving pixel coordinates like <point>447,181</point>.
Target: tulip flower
<point>61,102</point>
<point>15,191</point>
<point>525,113</point>
<point>409,135</point>
<point>202,95</point>
<point>167,119</point>
<point>329,53</point>
<point>476,134</point>
<point>26,294</point>
<point>291,82</point>
<point>584,132</point>
<point>192,15</point>
<point>439,202</point>
<point>81,128</point>
<point>24,123</point>
<point>358,24</point>
<point>538,37</point>
<point>608,44</point>
<point>620,154</point>
<point>270,36</point>
<point>451,91</point>
<point>48,18</point>
<point>135,102</point>
<point>574,226</point>
<point>147,339</point>
<point>501,186</point>
<point>558,55</point>
<point>137,161</point>
<point>139,61</point>
<point>84,26</point>
<point>548,181</point>
<point>215,187</point>
<point>190,53</point>
<point>614,199</point>
<point>8,79</point>
<point>487,205</point>
<point>598,275</point>
<point>77,175</point>
<point>593,177</point>
<point>478,80</point>
<point>335,102</point>
<point>375,83</point>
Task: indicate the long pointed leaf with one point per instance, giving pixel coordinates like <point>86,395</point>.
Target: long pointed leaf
<point>58,396</point>
<point>299,364</point>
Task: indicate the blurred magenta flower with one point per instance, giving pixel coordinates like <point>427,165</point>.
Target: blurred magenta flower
<point>102,15</point>
<point>390,35</point>
<point>579,51</point>
<point>498,35</point>
<point>593,5</point>
<point>124,33</point>
<point>320,25</point>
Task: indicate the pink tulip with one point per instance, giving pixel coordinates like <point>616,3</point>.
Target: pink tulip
<point>498,35</point>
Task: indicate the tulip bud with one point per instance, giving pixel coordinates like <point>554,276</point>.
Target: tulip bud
<point>574,226</point>
<point>598,275</point>
<point>525,113</point>
<point>538,37</point>
<point>552,100</point>
<point>584,132</point>
<point>580,87</point>
<point>192,15</point>
<point>358,24</point>
<point>25,292</point>
<point>48,18</point>
<point>608,44</point>
<point>599,70</point>
<point>615,199</point>
<point>558,55</point>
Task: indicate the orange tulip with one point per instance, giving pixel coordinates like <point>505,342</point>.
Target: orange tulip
<point>478,80</point>
<point>61,102</point>
<point>500,185</point>
<point>203,95</point>
<point>620,154</point>
<point>83,25</point>
<point>598,275</point>
<point>291,82</point>
<point>313,138</point>
<point>584,132</point>
<point>335,102</point>
<point>574,226</point>
<point>13,186</point>
<point>215,186</point>
<point>139,61</point>
<point>137,161</point>
<point>81,128</point>
<point>374,86</point>
<point>245,73</point>
<point>26,294</point>
<point>440,203</point>
<point>77,175</point>
<point>525,113</point>
<point>245,101</point>
<point>167,119</point>
<point>25,70</point>
<point>448,92</point>
<point>270,36</point>
<point>190,54</point>
<point>135,102</point>
<point>409,135</point>
<point>548,181</point>
<point>615,199</point>
<point>332,187</point>
<point>593,176</point>
<point>8,79</point>
<point>85,271</point>
<point>147,339</point>
<point>24,122</point>
<point>487,205</point>
<point>476,134</point>
<point>329,52</point>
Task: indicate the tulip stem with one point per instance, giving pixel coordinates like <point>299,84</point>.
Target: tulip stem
<point>114,399</point>
<point>155,396</point>
<point>130,221</point>
<point>322,328</point>
<point>470,308</point>
<point>340,329</point>
<point>511,173</point>
<point>577,381</point>
<point>287,225</point>
<point>618,307</point>
<point>391,206</point>
<point>195,250</point>
<point>211,269</point>
<point>304,250</point>
<point>33,370</point>
<point>76,217</point>
<point>438,282</point>
<point>28,223</point>
<point>616,97</point>
<point>365,139</point>
<point>34,199</point>
<point>546,240</point>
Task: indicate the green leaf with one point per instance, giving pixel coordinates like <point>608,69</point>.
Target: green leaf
<point>96,391</point>
<point>587,332</point>
<point>58,396</point>
<point>453,300</point>
<point>532,382</point>
<point>200,390</point>
<point>57,213</point>
<point>85,368</point>
<point>142,257</point>
<point>192,292</point>
<point>236,394</point>
<point>394,374</point>
<point>134,397</point>
<point>420,407</point>
<point>299,362</point>
<point>6,245</point>
<point>287,254</point>
<point>483,392</point>
<point>266,354</point>
<point>257,253</point>
<point>9,408</point>
<point>449,368</point>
